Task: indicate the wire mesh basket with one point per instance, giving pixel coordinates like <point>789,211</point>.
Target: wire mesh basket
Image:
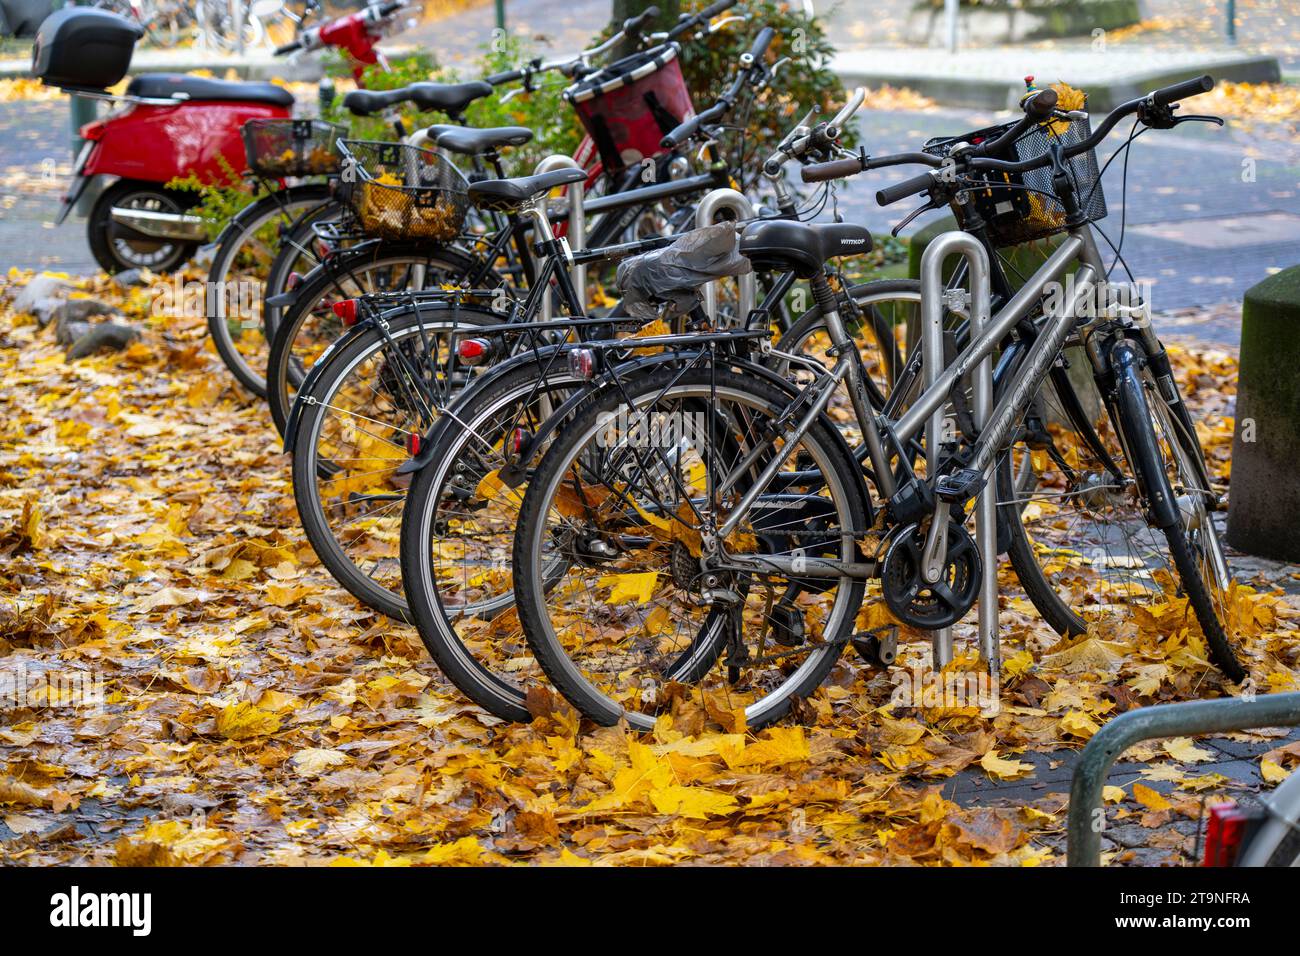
<point>1023,207</point>
<point>402,192</point>
<point>292,147</point>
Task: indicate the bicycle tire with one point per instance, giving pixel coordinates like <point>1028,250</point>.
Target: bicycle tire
<point>307,464</point>
<point>695,662</point>
<point>232,241</point>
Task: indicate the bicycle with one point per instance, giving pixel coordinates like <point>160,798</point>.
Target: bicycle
<point>698,510</point>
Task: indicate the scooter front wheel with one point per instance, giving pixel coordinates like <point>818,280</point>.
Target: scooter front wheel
<point>117,247</point>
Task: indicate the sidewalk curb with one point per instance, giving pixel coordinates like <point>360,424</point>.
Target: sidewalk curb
<point>1000,92</point>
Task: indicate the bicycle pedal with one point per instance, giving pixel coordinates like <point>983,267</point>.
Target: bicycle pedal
<point>960,486</point>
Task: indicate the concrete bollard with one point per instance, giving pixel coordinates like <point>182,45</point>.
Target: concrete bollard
<point>1264,501</point>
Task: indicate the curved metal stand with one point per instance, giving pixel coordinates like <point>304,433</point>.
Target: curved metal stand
<point>1147,723</point>
<point>975,306</point>
<point>713,203</point>
<point>577,232</point>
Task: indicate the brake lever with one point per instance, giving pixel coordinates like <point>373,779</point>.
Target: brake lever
<point>929,205</point>
<point>1195,118</point>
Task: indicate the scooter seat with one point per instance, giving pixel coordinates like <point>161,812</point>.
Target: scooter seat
<point>475,142</point>
<point>165,86</point>
<point>449,98</point>
<point>503,195</point>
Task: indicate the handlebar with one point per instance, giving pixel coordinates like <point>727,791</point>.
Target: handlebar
<point>632,25</point>
<point>287,48</point>
<point>748,67</point>
<point>1152,108</point>
<point>908,187</point>
<point>1158,100</point>
<point>759,47</point>
<point>704,16</point>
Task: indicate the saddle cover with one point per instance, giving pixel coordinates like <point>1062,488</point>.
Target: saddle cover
<point>674,274</point>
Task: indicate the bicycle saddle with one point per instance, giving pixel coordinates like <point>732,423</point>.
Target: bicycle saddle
<point>449,98</point>
<point>476,142</point>
<point>801,247</point>
<point>503,195</point>
<point>162,86</point>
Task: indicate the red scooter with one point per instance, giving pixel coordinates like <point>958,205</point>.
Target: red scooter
<point>172,125</point>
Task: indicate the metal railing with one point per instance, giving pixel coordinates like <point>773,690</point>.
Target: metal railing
<point>1087,819</point>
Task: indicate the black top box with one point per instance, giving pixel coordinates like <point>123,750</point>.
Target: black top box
<point>83,48</point>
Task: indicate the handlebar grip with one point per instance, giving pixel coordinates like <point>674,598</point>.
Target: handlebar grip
<point>632,25</point>
<point>1180,91</point>
<point>835,169</point>
<point>509,76</point>
<point>711,11</point>
<point>681,133</point>
<point>286,48</point>
<point>761,43</point>
<point>908,187</point>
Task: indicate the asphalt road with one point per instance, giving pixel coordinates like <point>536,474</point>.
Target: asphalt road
<point>1197,227</point>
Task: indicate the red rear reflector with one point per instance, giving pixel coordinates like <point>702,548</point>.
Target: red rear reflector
<point>1223,836</point>
<point>294,279</point>
<point>519,439</point>
<point>413,443</point>
<point>472,351</point>
<point>582,363</point>
<point>346,310</point>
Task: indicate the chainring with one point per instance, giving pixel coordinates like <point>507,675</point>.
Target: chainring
<point>917,602</point>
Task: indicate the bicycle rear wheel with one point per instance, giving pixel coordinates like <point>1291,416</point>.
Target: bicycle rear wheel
<point>308,326</point>
<point>239,326</point>
<point>458,527</point>
<point>377,390</point>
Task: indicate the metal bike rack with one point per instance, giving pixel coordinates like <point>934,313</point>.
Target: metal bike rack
<point>713,203</point>
<point>577,234</point>
<point>1148,723</point>
<point>935,299</point>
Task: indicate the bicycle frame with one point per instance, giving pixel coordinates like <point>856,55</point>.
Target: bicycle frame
<point>1057,326</point>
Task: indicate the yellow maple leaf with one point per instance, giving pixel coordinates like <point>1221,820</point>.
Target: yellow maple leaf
<point>1078,724</point>
<point>637,587</point>
<point>1272,772</point>
<point>995,766</point>
<point>695,803</point>
<point>241,721</point>
<point>1182,749</point>
<point>1151,799</point>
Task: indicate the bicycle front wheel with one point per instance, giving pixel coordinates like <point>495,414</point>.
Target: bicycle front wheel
<point>653,615</point>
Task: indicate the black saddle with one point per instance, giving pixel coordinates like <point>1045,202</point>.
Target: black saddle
<point>449,98</point>
<point>163,86</point>
<point>504,195</point>
<point>800,247</point>
<point>476,142</point>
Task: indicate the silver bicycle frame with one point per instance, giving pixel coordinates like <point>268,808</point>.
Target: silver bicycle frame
<point>926,412</point>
